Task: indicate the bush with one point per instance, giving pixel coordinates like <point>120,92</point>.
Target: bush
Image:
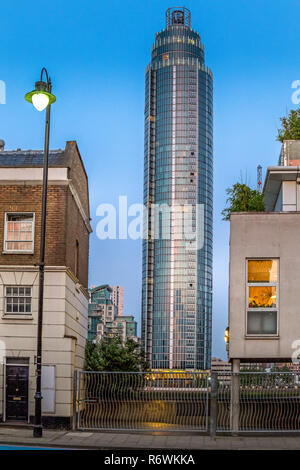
<point>242,198</point>
<point>290,126</point>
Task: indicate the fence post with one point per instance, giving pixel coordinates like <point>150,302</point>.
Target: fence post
<point>74,399</point>
<point>213,403</point>
<point>235,396</point>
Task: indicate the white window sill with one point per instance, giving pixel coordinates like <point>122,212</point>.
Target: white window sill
<point>17,316</point>
<point>262,337</point>
<point>17,252</point>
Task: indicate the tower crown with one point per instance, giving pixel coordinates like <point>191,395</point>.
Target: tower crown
<point>178,16</point>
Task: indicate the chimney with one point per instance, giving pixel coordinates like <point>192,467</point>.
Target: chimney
<point>2,145</point>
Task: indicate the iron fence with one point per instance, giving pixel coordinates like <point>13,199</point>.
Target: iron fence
<point>187,401</point>
<point>156,401</point>
<point>259,402</point>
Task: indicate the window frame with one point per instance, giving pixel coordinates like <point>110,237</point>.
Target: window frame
<point>5,240</point>
<point>5,296</point>
<point>264,309</point>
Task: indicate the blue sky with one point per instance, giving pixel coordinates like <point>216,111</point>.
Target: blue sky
<point>96,53</point>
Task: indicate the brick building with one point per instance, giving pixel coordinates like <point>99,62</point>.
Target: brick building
<point>66,279</point>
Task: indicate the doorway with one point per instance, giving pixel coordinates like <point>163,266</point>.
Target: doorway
<point>17,381</point>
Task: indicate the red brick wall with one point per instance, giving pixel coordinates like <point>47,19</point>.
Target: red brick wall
<point>78,176</point>
<point>64,226</point>
<point>77,231</point>
<point>20,198</point>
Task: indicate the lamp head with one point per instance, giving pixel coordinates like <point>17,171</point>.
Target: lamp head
<point>226,335</point>
<point>40,97</point>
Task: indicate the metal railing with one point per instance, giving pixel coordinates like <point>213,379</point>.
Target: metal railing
<point>187,401</point>
<point>263,402</point>
<point>155,401</point>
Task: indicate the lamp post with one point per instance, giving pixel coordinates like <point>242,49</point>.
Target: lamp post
<point>41,97</point>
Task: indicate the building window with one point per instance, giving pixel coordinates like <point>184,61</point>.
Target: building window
<point>18,300</point>
<point>19,232</point>
<point>262,297</point>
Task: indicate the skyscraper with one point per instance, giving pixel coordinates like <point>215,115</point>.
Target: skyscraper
<point>178,172</point>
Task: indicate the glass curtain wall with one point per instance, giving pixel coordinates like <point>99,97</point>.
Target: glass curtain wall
<point>178,174</point>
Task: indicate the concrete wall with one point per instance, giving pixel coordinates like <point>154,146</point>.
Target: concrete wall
<point>265,235</point>
<point>289,196</point>
<point>64,331</point>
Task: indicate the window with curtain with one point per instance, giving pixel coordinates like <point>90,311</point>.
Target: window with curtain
<point>262,297</point>
<point>19,232</point>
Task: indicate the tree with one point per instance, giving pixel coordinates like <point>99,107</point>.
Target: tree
<point>290,126</point>
<point>112,355</point>
<point>242,198</point>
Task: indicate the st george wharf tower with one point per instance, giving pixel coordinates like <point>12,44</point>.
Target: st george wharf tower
<point>178,171</point>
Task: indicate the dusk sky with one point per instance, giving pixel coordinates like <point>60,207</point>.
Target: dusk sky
<point>96,53</point>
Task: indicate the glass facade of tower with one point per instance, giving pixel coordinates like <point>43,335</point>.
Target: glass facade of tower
<point>178,172</point>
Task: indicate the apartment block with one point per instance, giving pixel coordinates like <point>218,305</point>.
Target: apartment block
<point>265,269</point>
<point>117,297</point>
<point>101,310</point>
<point>104,317</point>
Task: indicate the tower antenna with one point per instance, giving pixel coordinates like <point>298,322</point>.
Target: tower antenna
<point>259,178</point>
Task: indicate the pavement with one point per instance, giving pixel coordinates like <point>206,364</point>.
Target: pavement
<point>134,441</point>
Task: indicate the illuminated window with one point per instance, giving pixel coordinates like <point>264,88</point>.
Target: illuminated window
<point>191,41</point>
<point>262,297</point>
<point>165,56</point>
<point>262,270</point>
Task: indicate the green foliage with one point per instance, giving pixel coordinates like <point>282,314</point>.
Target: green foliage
<point>112,355</point>
<point>290,126</point>
<point>253,369</point>
<point>284,368</point>
<point>241,198</point>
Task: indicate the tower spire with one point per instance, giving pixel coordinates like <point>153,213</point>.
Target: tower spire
<point>178,16</point>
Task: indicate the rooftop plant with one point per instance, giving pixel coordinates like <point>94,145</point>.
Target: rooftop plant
<point>241,198</point>
<point>290,129</point>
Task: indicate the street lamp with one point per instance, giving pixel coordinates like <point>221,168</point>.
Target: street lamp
<point>227,338</point>
<point>226,335</point>
<point>41,98</point>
